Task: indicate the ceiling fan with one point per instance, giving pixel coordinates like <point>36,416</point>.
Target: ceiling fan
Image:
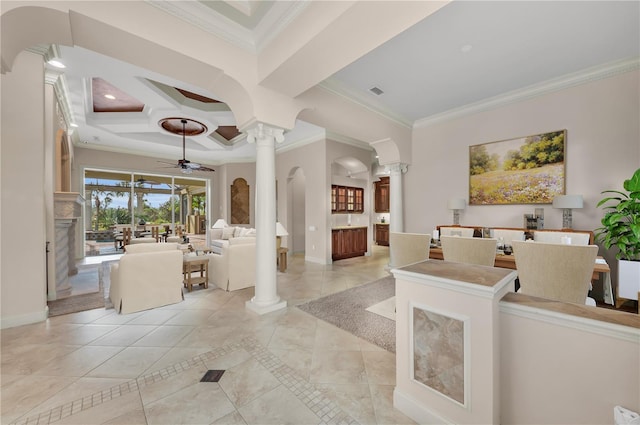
<point>186,166</point>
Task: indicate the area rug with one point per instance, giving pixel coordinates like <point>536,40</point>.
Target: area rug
<point>348,311</point>
<point>81,302</point>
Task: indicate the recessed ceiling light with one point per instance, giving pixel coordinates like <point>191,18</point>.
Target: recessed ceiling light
<point>56,63</point>
<point>110,96</point>
<point>376,90</point>
<point>466,48</point>
<point>74,124</point>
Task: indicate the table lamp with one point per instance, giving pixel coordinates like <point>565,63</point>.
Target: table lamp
<point>220,224</point>
<point>567,203</point>
<point>456,204</point>
<point>280,232</point>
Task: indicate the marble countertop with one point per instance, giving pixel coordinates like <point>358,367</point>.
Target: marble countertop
<point>470,273</point>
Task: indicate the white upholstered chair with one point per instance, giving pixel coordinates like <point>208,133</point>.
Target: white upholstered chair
<point>555,271</point>
<point>481,251</point>
<point>577,238</point>
<point>408,248</point>
<point>466,232</point>
<point>508,235</point>
<point>147,276</point>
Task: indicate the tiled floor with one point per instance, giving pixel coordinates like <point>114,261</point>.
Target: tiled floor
<point>286,367</point>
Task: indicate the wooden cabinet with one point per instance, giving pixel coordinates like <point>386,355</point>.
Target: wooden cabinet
<point>382,234</point>
<point>346,199</point>
<point>382,195</point>
<point>347,243</point>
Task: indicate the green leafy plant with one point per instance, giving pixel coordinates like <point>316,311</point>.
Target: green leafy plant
<point>621,222</point>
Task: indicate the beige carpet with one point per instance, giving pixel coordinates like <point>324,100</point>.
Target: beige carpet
<point>348,311</point>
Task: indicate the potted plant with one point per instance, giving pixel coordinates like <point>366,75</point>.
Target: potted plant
<point>621,228</point>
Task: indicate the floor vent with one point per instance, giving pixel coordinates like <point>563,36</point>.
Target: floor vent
<point>212,376</point>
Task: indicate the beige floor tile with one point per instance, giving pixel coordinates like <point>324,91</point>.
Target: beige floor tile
<point>355,399</point>
<point>293,338</point>
<point>247,381</point>
<point>133,417</point>
<point>380,367</point>
<point>106,412</point>
<point>382,396</point>
<point>228,360</point>
<point>83,335</point>
<point>190,317</point>
<point>79,362</point>
<point>279,406</point>
<point>25,359</point>
<point>175,355</point>
<point>233,418</point>
<point>206,337</point>
<point>113,318</point>
<point>76,391</point>
<point>201,403</point>
<point>154,317</point>
<point>337,367</point>
<point>24,394</point>
<point>155,391</point>
<point>124,335</point>
<point>164,336</point>
<point>329,337</point>
<point>298,359</point>
<point>82,317</point>
<point>129,363</point>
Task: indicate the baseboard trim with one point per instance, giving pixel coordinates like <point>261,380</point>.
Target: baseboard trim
<point>315,260</point>
<point>24,319</point>
<point>415,410</point>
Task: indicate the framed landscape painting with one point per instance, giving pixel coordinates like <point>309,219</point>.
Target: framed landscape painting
<point>525,170</point>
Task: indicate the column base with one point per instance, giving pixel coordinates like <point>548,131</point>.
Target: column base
<point>264,309</point>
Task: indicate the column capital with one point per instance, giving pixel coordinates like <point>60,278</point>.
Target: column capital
<point>263,132</point>
<point>398,167</point>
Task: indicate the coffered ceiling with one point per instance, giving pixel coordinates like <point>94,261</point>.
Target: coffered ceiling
<point>466,53</point>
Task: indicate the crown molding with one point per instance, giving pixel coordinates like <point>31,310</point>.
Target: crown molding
<point>300,143</point>
<point>348,141</point>
<point>566,81</point>
<point>213,22</point>
<point>335,86</point>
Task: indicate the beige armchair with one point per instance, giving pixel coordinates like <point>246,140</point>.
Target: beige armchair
<point>408,248</point>
<point>235,267</point>
<point>548,236</point>
<point>147,276</point>
<point>554,271</point>
<point>481,251</point>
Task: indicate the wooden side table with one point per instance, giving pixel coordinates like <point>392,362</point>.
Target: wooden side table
<point>282,258</point>
<point>192,265</point>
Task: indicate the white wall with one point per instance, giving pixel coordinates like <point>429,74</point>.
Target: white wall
<point>22,210</point>
<point>297,191</point>
<point>310,158</point>
<point>603,149</point>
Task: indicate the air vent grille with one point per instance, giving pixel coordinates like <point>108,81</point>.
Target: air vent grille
<point>376,90</point>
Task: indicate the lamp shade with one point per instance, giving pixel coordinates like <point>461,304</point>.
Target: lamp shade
<point>280,230</point>
<point>220,224</point>
<point>568,201</point>
<point>457,204</point>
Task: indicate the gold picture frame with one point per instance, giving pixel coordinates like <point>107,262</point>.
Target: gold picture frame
<point>523,170</point>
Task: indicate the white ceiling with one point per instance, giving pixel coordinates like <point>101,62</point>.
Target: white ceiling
<point>465,53</point>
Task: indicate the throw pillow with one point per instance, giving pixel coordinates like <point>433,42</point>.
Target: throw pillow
<point>237,232</point>
<point>227,233</point>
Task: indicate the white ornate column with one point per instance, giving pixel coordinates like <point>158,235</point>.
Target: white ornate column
<point>67,208</point>
<point>266,297</point>
<point>395,196</point>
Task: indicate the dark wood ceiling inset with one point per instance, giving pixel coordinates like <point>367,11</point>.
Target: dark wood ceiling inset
<point>197,97</point>
<point>228,131</point>
<point>122,102</point>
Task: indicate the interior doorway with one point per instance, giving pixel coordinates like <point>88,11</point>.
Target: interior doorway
<point>297,210</point>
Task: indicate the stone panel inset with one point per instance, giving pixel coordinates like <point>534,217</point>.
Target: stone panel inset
<point>438,353</point>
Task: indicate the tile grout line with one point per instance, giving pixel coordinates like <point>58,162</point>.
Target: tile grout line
<point>324,408</point>
<point>71,408</point>
<point>327,410</point>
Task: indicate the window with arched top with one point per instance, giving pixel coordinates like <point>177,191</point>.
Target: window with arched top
<point>240,202</point>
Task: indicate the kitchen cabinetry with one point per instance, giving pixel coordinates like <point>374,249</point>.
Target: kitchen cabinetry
<point>348,242</point>
<point>346,199</point>
<point>382,234</point>
<point>382,195</point>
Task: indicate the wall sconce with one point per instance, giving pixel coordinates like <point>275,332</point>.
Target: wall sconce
<point>220,224</point>
<point>567,203</point>
<point>456,204</point>
<point>280,232</point>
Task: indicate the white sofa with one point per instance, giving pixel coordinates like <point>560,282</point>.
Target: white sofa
<point>147,276</point>
<point>232,265</point>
